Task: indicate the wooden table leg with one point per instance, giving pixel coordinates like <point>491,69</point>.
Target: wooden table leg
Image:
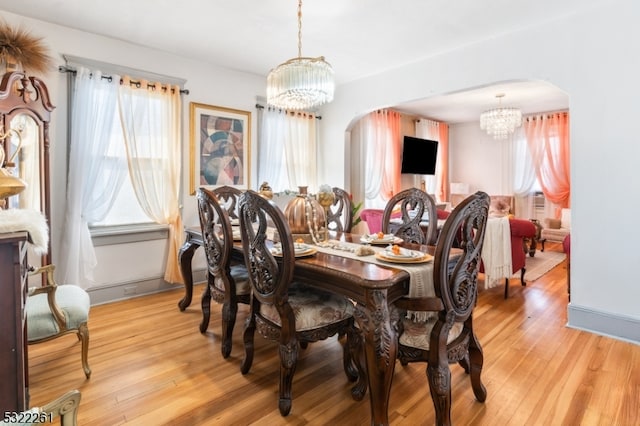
<point>378,324</point>
<point>185,255</point>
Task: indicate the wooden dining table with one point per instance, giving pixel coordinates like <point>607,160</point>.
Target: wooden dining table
<point>374,288</point>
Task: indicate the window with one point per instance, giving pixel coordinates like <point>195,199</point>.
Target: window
<point>124,165</point>
<point>126,209</point>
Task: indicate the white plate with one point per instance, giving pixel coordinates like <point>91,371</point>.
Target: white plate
<point>423,258</point>
<point>387,239</point>
<point>404,254</point>
<point>300,249</point>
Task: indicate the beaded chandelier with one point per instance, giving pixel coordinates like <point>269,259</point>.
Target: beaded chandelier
<point>300,83</point>
<point>500,122</point>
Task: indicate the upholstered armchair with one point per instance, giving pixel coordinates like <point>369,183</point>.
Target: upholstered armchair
<point>556,229</point>
<point>55,310</point>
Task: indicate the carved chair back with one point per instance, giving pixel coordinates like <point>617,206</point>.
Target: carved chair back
<point>228,197</point>
<point>456,280</point>
<point>413,203</point>
<point>269,277</point>
<point>340,215</point>
<point>217,235</point>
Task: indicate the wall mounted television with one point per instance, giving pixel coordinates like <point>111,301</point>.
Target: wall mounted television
<point>419,156</point>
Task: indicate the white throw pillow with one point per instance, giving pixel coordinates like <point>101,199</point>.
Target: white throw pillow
<point>565,219</point>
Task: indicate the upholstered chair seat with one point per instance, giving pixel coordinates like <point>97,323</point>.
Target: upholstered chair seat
<point>241,277</point>
<point>55,310</point>
<point>72,300</point>
<point>312,308</point>
<point>416,334</point>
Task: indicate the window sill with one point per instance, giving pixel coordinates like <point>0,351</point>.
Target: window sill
<point>123,234</point>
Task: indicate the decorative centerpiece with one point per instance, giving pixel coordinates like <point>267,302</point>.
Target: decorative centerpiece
<point>305,215</point>
<point>266,191</point>
<point>326,197</point>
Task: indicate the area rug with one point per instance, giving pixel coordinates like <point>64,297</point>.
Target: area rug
<point>540,264</point>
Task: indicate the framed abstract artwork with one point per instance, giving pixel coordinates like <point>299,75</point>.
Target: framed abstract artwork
<point>220,146</point>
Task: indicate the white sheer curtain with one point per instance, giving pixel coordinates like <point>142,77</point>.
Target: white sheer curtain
<point>271,163</point>
<point>150,119</point>
<point>94,176</point>
<point>373,152</point>
<point>288,149</point>
<point>524,175</point>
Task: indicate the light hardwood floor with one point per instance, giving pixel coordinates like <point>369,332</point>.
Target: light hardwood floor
<point>151,366</point>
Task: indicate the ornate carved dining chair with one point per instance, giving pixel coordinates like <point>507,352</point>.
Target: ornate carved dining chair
<point>281,309</point>
<point>447,335</point>
<point>55,310</point>
<point>228,198</point>
<point>340,217</point>
<point>411,205</point>
<point>226,283</point>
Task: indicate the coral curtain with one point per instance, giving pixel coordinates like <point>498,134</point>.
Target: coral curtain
<point>436,131</point>
<point>381,147</point>
<point>151,123</point>
<point>288,149</point>
<point>95,177</point>
<point>548,141</point>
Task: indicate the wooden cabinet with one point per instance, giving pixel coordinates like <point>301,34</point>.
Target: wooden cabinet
<point>14,392</point>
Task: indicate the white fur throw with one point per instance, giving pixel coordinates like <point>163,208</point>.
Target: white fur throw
<point>32,221</point>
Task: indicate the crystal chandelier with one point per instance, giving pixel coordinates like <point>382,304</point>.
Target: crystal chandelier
<point>500,122</point>
<point>300,83</point>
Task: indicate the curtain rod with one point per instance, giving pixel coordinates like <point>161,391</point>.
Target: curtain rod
<point>65,69</point>
<point>260,106</point>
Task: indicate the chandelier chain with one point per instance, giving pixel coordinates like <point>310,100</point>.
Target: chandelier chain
<point>299,28</point>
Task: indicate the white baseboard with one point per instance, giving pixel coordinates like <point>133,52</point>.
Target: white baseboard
<point>130,289</point>
<point>605,324</point>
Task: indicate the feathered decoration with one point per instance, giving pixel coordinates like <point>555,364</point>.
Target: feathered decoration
<point>17,45</point>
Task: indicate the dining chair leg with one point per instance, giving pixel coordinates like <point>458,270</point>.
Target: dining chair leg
<point>206,308</point>
<point>247,338</point>
<point>288,358</point>
<point>229,311</point>
<point>476,360</point>
<point>355,346</point>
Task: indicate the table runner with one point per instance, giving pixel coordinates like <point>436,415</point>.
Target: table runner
<point>420,274</point>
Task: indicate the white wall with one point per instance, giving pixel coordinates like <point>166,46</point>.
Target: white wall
<point>126,263</point>
<point>478,159</point>
<point>593,57</point>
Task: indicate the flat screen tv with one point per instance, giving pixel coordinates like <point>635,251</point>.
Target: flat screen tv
<point>419,156</point>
